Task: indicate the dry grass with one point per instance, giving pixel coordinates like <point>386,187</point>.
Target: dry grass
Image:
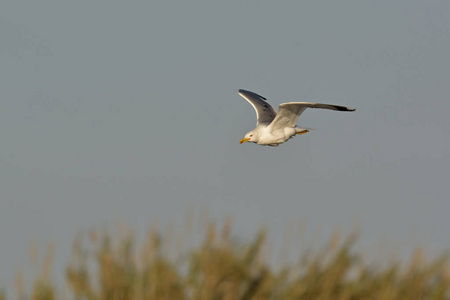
<point>107,268</point>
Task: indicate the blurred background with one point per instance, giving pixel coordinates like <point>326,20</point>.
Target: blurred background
<point>117,111</point>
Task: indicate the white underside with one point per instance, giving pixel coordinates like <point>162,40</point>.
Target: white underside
<point>276,137</point>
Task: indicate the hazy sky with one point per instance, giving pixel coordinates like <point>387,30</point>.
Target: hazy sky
<point>128,110</point>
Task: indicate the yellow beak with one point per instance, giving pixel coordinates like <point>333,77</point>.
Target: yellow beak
<point>244,140</point>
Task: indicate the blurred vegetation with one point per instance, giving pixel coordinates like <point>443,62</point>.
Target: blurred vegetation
<point>115,267</point>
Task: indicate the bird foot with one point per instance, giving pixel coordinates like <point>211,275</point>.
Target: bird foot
<point>302,132</point>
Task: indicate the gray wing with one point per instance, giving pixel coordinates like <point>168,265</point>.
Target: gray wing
<point>264,112</point>
<point>288,113</point>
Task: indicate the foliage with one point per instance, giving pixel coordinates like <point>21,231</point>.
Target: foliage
<point>107,268</point>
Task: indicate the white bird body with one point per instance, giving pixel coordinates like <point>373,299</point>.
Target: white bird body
<point>274,128</point>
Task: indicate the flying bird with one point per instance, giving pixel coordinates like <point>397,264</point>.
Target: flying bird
<point>274,128</point>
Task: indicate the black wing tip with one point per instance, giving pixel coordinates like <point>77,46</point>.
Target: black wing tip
<point>241,91</point>
<point>343,108</point>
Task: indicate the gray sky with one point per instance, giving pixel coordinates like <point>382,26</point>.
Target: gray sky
<point>128,110</point>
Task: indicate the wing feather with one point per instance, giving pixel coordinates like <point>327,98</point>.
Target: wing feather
<point>264,112</point>
<point>288,113</point>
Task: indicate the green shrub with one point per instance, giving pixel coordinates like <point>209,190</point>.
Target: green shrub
<point>108,268</point>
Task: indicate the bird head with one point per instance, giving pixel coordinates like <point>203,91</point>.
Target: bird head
<point>251,136</point>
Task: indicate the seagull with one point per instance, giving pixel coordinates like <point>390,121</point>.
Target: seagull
<point>274,128</point>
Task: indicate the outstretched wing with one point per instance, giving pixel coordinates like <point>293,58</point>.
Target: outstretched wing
<point>264,112</point>
<point>288,113</point>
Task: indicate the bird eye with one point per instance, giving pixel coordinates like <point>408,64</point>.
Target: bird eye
<point>251,135</point>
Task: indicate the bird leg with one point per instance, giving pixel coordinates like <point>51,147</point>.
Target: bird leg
<point>302,132</point>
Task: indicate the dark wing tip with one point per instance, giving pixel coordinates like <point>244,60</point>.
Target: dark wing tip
<point>343,108</point>
<point>241,91</point>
